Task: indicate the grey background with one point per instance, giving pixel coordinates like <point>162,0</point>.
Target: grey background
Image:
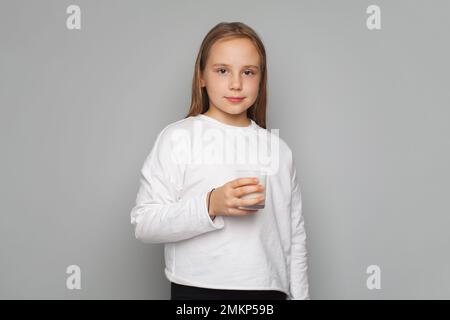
<point>365,112</point>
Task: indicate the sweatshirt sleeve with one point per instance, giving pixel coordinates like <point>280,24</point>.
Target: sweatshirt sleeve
<point>159,216</point>
<point>299,287</point>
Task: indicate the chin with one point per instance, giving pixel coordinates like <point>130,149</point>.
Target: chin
<point>233,110</point>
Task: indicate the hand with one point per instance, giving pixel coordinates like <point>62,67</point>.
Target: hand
<point>225,199</point>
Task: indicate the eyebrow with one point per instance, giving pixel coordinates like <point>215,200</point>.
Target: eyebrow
<point>226,65</point>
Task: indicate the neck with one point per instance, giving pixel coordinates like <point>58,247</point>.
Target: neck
<point>238,120</point>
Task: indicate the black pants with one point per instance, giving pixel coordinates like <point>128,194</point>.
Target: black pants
<point>182,292</point>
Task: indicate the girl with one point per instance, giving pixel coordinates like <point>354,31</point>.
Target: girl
<point>190,199</point>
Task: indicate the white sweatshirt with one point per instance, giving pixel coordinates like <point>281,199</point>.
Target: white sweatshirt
<point>265,250</point>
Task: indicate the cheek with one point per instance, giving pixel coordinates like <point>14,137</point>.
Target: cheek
<point>216,90</point>
<point>253,85</point>
<point>218,85</point>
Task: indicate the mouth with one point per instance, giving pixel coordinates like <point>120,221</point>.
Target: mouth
<point>235,99</point>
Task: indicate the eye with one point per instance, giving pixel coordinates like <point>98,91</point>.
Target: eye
<point>247,72</point>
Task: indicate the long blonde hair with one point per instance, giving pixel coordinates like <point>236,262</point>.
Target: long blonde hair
<point>230,30</point>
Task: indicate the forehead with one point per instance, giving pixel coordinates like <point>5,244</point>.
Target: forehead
<point>236,51</point>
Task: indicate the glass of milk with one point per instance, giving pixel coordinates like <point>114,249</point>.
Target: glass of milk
<point>253,173</point>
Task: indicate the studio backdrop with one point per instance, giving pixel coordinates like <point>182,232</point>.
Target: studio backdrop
<point>358,89</point>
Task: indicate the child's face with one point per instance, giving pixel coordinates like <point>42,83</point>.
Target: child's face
<point>232,70</point>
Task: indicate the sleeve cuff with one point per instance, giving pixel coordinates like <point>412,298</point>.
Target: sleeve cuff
<point>218,222</point>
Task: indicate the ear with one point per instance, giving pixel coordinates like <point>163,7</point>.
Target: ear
<point>202,81</point>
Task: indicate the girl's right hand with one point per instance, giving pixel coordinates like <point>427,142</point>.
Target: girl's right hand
<point>225,199</point>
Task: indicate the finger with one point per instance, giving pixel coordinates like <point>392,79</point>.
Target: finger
<point>241,212</point>
<point>249,202</point>
<point>239,192</point>
<point>243,181</point>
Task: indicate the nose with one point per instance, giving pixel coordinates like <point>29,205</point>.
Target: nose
<point>235,82</point>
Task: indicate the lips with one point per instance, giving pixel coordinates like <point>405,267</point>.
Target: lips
<point>235,99</point>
